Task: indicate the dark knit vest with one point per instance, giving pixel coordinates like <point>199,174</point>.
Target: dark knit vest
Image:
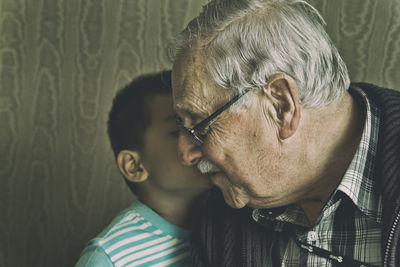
<point>223,236</point>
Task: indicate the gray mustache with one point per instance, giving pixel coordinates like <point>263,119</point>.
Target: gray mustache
<point>205,166</point>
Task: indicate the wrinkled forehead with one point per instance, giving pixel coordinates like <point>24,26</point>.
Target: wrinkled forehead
<point>193,91</point>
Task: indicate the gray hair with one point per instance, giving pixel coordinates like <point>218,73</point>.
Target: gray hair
<point>246,41</point>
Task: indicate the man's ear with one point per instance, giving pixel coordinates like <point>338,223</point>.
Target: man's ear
<point>130,165</point>
<point>285,98</point>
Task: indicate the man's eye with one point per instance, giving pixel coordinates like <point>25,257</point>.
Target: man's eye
<point>204,131</point>
<point>178,120</point>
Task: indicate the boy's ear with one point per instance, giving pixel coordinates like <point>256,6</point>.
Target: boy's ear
<point>283,92</point>
<point>130,165</point>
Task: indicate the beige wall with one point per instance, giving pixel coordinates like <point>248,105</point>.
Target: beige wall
<point>61,61</point>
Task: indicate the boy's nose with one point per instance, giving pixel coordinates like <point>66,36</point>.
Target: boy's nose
<point>189,152</point>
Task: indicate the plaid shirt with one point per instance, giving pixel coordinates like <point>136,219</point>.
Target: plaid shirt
<point>350,222</point>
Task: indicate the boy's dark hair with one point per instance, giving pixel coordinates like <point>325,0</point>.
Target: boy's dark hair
<point>130,112</point>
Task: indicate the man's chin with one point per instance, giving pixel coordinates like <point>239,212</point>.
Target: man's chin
<point>236,204</point>
<point>219,180</point>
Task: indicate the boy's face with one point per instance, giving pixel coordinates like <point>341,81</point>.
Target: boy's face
<point>160,154</point>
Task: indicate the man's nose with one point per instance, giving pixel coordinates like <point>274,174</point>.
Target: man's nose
<point>189,152</point>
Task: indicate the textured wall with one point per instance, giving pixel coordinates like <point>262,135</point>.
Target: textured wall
<point>61,62</point>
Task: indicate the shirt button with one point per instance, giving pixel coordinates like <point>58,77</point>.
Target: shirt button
<point>312,236</point>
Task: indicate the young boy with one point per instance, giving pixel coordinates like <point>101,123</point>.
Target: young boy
<point>153,230</point>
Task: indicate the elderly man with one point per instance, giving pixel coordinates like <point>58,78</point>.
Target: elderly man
<point>308,165</point>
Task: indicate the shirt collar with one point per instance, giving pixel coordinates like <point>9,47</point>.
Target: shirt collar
<point>358,181</point>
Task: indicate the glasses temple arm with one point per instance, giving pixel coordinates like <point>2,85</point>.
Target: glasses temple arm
<point>204,122</point>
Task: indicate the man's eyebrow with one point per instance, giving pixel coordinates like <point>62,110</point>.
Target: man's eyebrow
<point>180,108</point>
<point>184,110</point>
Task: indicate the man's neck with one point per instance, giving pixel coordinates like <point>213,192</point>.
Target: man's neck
<point>336,131</point>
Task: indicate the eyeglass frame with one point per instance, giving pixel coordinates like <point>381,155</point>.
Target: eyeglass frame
<point>191,132</point>
<point>268,216</point>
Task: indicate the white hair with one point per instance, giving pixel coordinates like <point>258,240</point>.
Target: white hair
<point>246,41</point>
<point>205,166</point>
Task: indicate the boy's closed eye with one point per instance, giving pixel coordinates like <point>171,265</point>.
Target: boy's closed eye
<point>174,133</point>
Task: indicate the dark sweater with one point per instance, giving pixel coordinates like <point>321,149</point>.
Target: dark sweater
<point>224,236</point>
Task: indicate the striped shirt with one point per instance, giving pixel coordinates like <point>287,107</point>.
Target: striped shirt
<point>350,222</point>
<point>138,237</point>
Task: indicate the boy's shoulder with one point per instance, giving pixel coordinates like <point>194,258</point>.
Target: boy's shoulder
<point>139,235</point>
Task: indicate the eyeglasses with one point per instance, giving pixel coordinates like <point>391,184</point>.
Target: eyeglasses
<point>193,133</point>
<point>268,216</point>
<point>336,258</point>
